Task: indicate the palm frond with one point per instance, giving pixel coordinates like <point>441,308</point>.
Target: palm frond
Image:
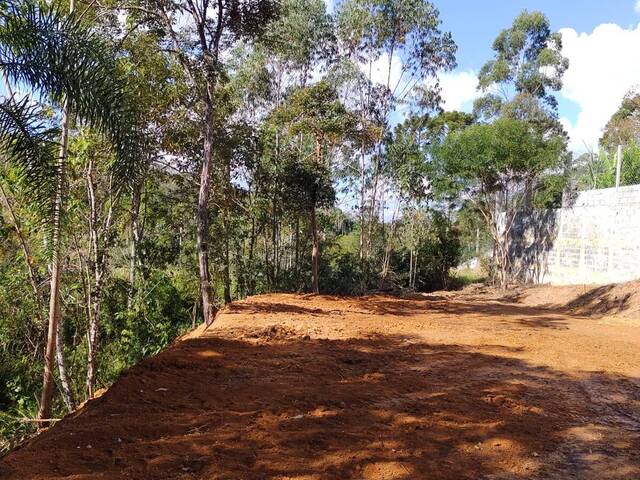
<point>57,55</point>
<point>29,142</point>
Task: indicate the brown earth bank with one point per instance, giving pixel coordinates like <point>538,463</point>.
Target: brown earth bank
<point>471,385</point>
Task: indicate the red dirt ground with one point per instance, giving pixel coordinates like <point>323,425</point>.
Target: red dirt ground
<point>443,386</point>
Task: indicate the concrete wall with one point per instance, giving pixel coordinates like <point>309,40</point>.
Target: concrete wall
<point>593,239</point>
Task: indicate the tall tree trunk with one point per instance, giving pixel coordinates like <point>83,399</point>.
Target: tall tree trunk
<point>44,412</point>
<point>410,266</point>
<point>65,382</point>
<point>372,206</point>
<point>274,244</point>
<point>362,200</point>
<point>315,252</point>
<point>227,232</point>
<point>202,235</point>
<point>315,246</point>
<point>100,242</point>
<point>251,288</point>
<point>134,241</point>
<point>297,254</point>
<point>227,273</point>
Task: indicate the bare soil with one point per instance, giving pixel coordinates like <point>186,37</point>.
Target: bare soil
<point>470,385</point>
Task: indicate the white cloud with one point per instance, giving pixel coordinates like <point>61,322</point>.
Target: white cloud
<point>380,70</point>
<point>459,89</point>
<point>604,65</point>
<point>637,7</point>
<point>330,5</point>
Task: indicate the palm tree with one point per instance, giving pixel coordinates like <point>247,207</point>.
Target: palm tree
<point>67,64</point>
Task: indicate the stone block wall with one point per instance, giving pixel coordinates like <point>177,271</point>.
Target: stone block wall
<point>595,238</point>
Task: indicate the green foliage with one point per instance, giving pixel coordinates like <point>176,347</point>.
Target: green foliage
<point>29,144</point>
<point>499,167</point>
<point>318,112</point>
<point>599,170</point>
<point>436,250</point>
<point>408,25</point>
<point>486,157</point>
<point>284,144</point>
<point>302,35</point>
<point>623,128</point>
<point>528,56</point>
<point>59,57</point>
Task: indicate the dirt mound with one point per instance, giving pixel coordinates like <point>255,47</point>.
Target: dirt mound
<point>621,300</point>
<point>446,386</point>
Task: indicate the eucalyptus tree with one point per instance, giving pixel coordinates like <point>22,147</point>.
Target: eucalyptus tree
<point>526,70</point>
<point>400,48</point>
<point>299,43</point>
<point>317,113</point>
<point>498,167</point>
<point>623,128</point>
<point>197,33</point>
<point>296,48</point>
<point>69,65</point>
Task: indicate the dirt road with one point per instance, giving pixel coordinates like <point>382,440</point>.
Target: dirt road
<point>304,387</point>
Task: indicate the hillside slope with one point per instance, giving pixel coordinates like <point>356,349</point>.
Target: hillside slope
<point>306,387</point>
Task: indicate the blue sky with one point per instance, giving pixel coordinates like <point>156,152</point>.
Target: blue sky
<point>601,39</point>
<point>474,24</point>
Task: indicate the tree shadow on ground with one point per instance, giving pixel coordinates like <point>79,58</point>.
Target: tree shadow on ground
<point>527,316</point>
<point>600,301</point>
<point>382,407</point>
<point>256,306</point>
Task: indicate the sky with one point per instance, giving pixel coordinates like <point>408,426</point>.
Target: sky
<point>601,39</point>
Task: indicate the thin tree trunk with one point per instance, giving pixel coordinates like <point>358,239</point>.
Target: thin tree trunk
<point>387,252</point>
<point>362,201</point>
<point>372,207</point>
<point>227,271</point>
<point>134,241</point>
<point>274,244</point>
<point>297,254</point>
<point>27,256</point>
<point>65,382</point>
<point>266,257</point>
<point>315,244</point>
<point>227,233</point>
<point>202,235</point>
<point>252,243</point>
<point>100,255</point>
<point>410,266</point>
<point>44,411</point>
<point>67,394</point>
<point>315,251</point>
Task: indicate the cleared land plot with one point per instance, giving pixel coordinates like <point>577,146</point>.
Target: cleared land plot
<point>451,386</point>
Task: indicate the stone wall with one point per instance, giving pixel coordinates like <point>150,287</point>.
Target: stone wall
<point>595,238</point>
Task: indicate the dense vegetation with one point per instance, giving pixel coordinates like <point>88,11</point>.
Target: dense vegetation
<point>172,156</point>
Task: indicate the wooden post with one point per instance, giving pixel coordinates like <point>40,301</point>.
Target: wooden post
<point>618,165</point>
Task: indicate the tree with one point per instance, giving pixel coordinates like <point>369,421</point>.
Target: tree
<point>213,27</point>
<point>526,69</point>
<point>597,169</point>
<point>317,113</point>
<point>498,167</point>
<point>384,33</point>
<point>623,128</point>
<point>56,55</point>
